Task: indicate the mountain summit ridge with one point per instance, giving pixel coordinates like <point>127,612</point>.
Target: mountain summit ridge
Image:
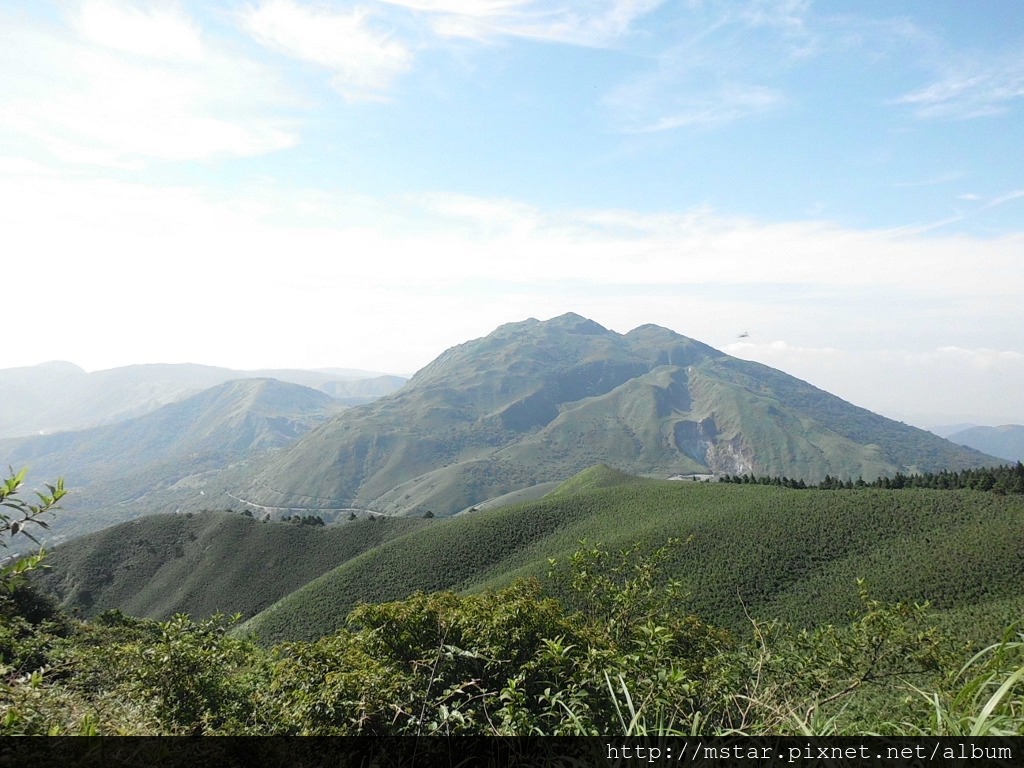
<point>537,401</point>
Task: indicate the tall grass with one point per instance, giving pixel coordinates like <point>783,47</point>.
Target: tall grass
<point>987,696</point>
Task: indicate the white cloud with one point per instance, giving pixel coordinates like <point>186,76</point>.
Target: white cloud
<point>286,277</point>
<point>362,60</point>
<point>94,93</point>
<point>970,89</point>
<point>160,32</point>
<point>726,105</point>
<point>924,387</point>
<point>593,23</point>
<point>482,217</point>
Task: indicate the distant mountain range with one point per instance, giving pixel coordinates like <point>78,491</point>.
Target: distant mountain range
<point>227,420</point>
<point>149,462</point>
<point>535,402</point>
<point>496,420</point>
<point>1006,442</point>
<point>60,396</point>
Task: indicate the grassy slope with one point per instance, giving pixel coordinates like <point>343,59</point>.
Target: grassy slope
<point>204,563</point>
<point>794,555</point>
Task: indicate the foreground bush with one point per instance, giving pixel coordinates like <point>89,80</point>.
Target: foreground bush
<point>624,658</point>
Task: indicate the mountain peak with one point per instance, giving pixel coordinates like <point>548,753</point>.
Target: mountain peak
<point>651,328</point>
<point>535,402</point>
<point>574,323</point>
<point>569,321</point>
<point>60,366</point>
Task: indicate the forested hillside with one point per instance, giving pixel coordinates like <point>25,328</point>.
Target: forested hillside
<point>759,549</point>
<point>752,546</point>
<point>204,563</point>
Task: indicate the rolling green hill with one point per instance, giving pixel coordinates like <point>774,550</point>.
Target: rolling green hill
<point>203,563</point>
<point>535,402</point>
<point>762,550</point>
<point>772,552</point>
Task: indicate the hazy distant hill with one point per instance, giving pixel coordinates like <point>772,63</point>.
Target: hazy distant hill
<point>358,391</point>
<point>1006,442</point>
<point>228,419</point>
<point>535,402</point>
<point>112,470</point>
<point>61,396</point>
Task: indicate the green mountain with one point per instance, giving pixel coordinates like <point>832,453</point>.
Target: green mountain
<point>229,419</point>
<point>1006,442</point>
<point>535,402</point>
<point>139,465</point>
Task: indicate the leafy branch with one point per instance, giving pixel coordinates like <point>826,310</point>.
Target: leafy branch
<point>16,516</point>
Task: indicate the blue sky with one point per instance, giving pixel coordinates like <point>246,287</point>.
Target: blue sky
<point>363,184</point>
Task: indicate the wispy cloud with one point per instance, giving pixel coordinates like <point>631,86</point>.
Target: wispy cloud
<point>120,86</point>
<point>1016,194</point>
<point>362,58</point>
<point>155,32</point>
<point>728,66</point>
<point>789,15</point>
<point>592,23</point>
<point>731,102</point>
<point>970,89</point>
<point>975,205</point>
